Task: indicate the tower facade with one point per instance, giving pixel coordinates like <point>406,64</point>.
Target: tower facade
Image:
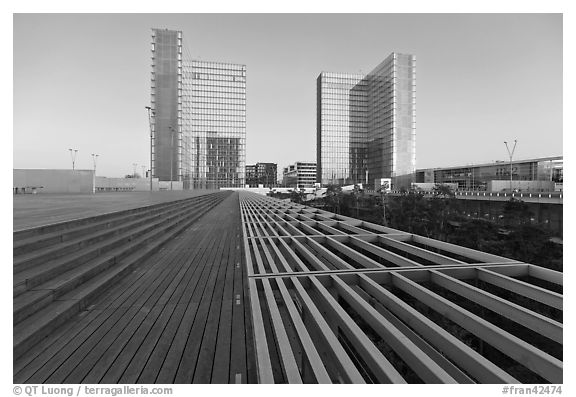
<point>199,118</point>
<point>366,124</point>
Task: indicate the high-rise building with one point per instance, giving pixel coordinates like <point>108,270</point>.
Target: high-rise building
<point>366,124</point>
<point>199,117</point>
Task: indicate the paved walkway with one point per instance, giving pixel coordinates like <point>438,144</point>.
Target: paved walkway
<point>181,317</point>
<point>31,210</point>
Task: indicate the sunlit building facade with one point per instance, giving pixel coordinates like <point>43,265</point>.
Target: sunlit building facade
<point>301,175</point>
<point>366,124</point>
<point>199,123</point>
<point>341,124</point>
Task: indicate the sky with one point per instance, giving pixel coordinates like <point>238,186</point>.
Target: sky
<point>82,81</point>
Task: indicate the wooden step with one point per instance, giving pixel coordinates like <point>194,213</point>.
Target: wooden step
<point>69,296</point>
<point>42,255</point>
<point>41,238</point>
<point>71,224</point>
<point>42,272</point>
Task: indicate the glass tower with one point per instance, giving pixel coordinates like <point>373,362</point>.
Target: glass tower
<point>341,138</point>
<point>366,124</point>
<point>205,137</point>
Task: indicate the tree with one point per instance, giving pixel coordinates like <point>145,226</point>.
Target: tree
<point>516,213</point>
<point>409,213</point>
<point>480,234</point>
<point>334,197</point>
<point>297,196</point>
<point>383,200</point>
<point>356,194</point>
<point>443,190</point>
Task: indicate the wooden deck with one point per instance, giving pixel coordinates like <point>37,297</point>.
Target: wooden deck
<point>32,210</point>
<point>183,316</point>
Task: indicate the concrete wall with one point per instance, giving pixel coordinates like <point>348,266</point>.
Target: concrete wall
<point>104,184</point>
<point>53,181</point>
<point>174,185</point>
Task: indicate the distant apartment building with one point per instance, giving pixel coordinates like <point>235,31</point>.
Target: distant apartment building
<point>366,124</point>
<point>480,176</point>
<point>198,117</point>
<point>299,175</point>
<point>262,174</point>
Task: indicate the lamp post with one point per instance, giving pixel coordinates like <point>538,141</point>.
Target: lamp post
<point>511,153</point>
<point>73,153</point>
<point>94,160</point>
<point>150,113</point>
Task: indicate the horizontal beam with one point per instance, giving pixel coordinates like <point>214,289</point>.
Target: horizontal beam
<point>534,321</point>
<point>460,353</point>
<point>423,365</point>
<point>534,359</point>
<point>527,290</point>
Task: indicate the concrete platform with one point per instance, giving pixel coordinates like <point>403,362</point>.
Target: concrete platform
<point>31,210</point>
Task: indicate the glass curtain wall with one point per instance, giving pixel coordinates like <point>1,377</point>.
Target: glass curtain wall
<point>366,125</point>
<point>341,127</point>
<point>392,117</point>
<point>214,126</point>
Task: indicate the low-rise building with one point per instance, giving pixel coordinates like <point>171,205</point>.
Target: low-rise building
<point>299,175</point>
<point>484,176</point>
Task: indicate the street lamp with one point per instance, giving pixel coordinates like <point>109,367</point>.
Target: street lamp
<point>150,112</point>
<point>511,154</point>
<point>94,160</point>
<point>73,153</point>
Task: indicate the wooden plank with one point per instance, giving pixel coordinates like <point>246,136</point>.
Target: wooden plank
<point>353,254</point>
<point>419,252</point>
<point>534,292</point>
<point>422,344</point>
<point>534,321</point>
<point>389,256</point>
<point>534,359</point>
<point>379,365</point>
<point>221,365</point>
<point>263,365</point>
<point>146,289</point>
<point>83,359</point>
<point>459,250</point>
<point>195,331</point>
<point>173,353</point>
<point>240,332</point>
<point>207,351</point>
<point>424,366</point>
<point>288,362</point>
<point>467,358</point>
<point>130,363</point>
<point>59,352</point>
<point>542,273</point>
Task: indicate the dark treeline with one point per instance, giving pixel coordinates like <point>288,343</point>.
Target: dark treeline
<point>514,234</point>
